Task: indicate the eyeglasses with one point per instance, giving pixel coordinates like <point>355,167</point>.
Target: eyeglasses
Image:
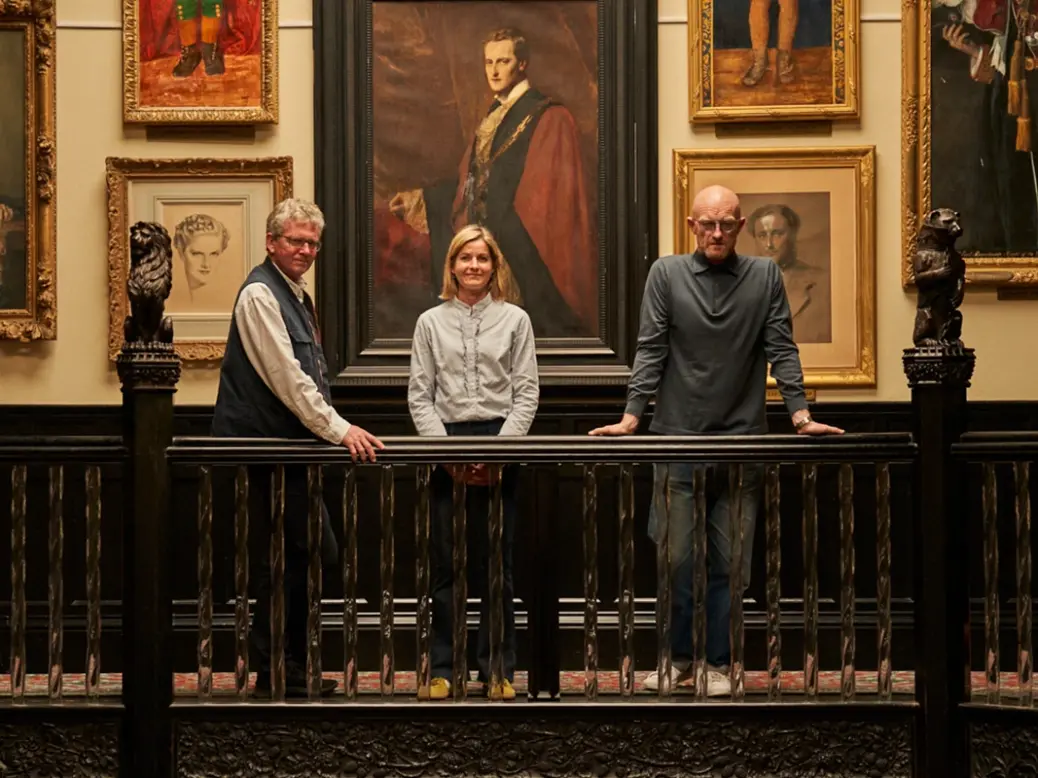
<point>298,243</point>
<point>727,226</point>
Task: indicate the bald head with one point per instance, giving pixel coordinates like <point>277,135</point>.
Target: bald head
<point>716,221</point>
<point>718,201</point>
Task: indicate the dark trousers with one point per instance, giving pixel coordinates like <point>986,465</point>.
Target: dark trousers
<point>296,560</point>
<point>441,546</point>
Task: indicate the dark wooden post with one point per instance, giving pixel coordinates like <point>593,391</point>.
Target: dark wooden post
<point>939,369</point>
<point>148,369</point>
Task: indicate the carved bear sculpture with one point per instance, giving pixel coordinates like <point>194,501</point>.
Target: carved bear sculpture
<point>940,279</point>
<point>149,284</point>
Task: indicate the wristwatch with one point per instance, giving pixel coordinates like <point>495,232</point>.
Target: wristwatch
<point>803,422</point>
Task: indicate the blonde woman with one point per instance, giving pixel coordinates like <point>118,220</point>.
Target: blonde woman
<point>473,372</point>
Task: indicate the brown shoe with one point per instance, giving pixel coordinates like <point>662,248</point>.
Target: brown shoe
<point>756,72</point>
<point>785,67</point>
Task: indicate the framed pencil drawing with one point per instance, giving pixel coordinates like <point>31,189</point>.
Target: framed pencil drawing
<point>504,113</point>
<point>215,211</point>
<point>969,90</point>
<point>28,187</point>
<point>811,210</point>
<point>200,61</point>
<point>768,60</point>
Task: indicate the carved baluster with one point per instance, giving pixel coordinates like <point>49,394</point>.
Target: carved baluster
<point>773,585</point>
<point>205,585</point>
<point>664,659</point>
<point>590,582</point>
<point>56,583</point>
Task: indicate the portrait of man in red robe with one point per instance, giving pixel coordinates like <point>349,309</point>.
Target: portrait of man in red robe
<point>502,131</point>
<point>200,52</point>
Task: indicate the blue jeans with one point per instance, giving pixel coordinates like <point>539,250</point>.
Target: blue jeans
<point>719,551</point>
<point>441,552</point>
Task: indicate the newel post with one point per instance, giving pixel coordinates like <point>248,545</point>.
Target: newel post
<point>148,369</point>
<point>939,369</point>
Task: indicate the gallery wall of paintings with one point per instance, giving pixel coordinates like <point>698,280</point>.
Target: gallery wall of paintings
<point>201,113</point>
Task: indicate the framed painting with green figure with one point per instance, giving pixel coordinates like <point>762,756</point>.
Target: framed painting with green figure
<point>200,61</point>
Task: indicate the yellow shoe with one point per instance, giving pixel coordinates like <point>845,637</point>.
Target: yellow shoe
<point>439,689</point>
<point>502,692</point>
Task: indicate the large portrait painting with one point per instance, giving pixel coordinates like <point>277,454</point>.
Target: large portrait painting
<point>762,60</point>
<point>200,61</point>
<point>811,211</point>
<point>28,294</point>
<point>215,212</point>
<point>970,81</point>
<point>496,113</point>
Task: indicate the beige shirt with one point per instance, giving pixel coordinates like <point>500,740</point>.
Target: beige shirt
<point>473,363</point>
<point>269,349</point>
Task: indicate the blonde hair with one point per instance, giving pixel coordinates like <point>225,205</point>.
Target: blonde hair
<point>502,283</point>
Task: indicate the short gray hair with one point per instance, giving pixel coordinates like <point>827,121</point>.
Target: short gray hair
<point>294,210</point>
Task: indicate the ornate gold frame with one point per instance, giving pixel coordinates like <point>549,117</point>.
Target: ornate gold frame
<point>992,270</point>
<point>119,172</point>
<point>265,113</point>
<point>846,67</point>
<point>39,320</point>
<point>862,159</point>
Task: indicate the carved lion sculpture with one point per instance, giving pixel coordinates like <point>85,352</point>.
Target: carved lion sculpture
<point>151,278</point>
<point>940,278</point>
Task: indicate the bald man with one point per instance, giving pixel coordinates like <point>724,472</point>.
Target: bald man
<point>711,322</point>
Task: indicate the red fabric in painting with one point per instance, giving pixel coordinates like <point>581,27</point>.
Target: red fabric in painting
<point>241,27</point>
<point>990,15</point>
<point>552,203</point>
<point>403,256</point>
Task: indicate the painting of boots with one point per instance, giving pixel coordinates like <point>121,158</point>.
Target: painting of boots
<point>766,60</point>
<point>200,61</point>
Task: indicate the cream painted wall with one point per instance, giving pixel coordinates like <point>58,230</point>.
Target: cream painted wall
<point>74,369</point>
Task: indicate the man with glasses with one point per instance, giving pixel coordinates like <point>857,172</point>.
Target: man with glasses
<point>274,384</point>
<point>711,322</point>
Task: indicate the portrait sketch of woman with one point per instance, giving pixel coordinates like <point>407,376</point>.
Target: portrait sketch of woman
<point>208,260</point>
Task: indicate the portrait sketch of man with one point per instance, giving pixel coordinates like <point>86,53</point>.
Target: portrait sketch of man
<point>796,237</point>
<point>487,113</point>
<point>13,160</point>
<point>208,264</point>
<point>772,52</point>
<point>200,52</point>
<point>983,94</point>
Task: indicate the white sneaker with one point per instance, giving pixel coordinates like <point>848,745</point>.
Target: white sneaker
<point>718,681</point>
<point>679,671</point>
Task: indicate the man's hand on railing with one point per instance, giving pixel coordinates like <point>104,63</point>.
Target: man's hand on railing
<point>813,427</point>
<point>361,443</point>
<point>628,425</point>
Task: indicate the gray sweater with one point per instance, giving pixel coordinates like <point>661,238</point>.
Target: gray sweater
<point>473,363</point>
<point>706,336</point>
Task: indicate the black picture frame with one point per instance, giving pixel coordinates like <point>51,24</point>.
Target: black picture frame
<point>627,208</point>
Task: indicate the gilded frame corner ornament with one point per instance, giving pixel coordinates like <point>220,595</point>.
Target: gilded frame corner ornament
<point>846,61</point>
<point>862,160</point>
<point>119,173</point>
<point>265,113</point>
<point>38,320</point>
<point>987,270</point>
